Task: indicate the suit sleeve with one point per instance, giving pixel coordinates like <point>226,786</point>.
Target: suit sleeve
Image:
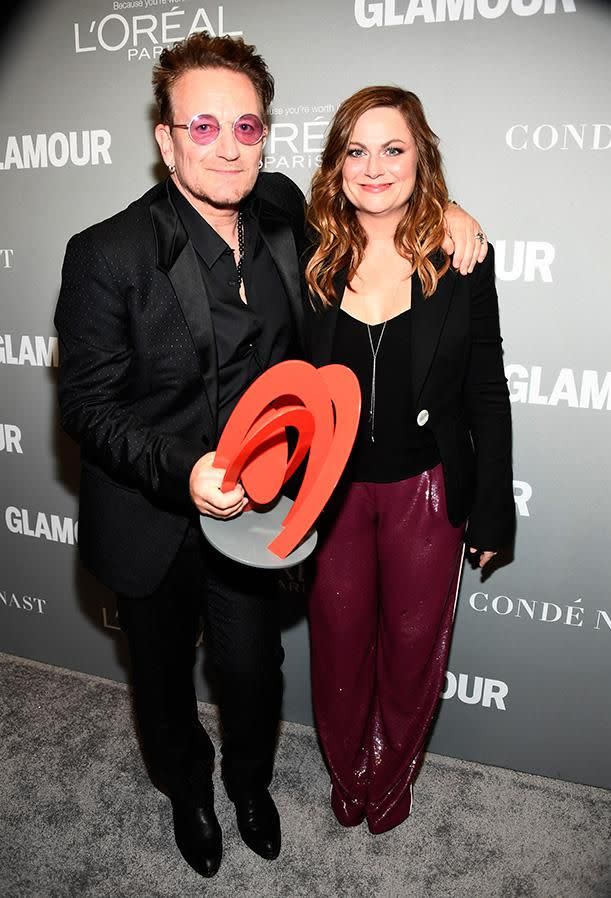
<point>96,353</point>
<point>492,520</point>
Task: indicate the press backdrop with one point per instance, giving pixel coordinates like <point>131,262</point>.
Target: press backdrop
<point>520,94</point>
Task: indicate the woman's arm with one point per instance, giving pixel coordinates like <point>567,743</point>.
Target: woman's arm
<point>462,242</point>
<point>486,399</point>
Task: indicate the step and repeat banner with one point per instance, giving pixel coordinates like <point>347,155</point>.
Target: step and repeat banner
<point>520,94</point>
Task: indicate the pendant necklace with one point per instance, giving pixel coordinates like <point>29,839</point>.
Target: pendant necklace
<point>240,261</point>
<point>372,403</point>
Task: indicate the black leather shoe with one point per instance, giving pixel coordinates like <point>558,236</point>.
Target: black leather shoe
<point>198,834</point>
<point>259,823</point>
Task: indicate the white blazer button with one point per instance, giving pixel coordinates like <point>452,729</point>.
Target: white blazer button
<point>422,418</point>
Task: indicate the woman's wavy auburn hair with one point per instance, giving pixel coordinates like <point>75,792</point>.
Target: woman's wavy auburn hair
<point>341,240</point>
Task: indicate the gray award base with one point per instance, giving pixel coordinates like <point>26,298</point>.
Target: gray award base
<point>245,538</point>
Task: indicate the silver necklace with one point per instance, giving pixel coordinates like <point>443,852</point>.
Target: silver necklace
<point>372,403</point>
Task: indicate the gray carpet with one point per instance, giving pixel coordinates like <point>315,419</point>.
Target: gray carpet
<point>79,817</point>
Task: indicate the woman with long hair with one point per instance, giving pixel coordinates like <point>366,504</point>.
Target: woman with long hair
<point>431,466</point>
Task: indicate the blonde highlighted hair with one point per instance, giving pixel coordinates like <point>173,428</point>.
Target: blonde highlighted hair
<point>340,238</point>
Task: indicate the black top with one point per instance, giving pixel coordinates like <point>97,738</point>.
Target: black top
<point>250,337</point>
<point>399,448</point>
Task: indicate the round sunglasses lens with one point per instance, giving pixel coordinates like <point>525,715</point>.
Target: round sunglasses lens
<point>204,129</point>
<point>248,129</point>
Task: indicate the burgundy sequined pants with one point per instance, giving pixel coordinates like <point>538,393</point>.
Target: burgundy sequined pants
<point>381,614</point>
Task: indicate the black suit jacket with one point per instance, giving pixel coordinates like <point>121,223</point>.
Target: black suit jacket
<point>138,382</point>
<point>459,393</point>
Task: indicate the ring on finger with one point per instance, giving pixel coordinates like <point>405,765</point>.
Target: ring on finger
<point>481,237</point>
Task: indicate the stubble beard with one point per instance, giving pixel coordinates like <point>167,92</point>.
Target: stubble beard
<point>220,202</point>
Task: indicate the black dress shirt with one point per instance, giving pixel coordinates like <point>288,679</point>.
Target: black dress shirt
<point>250,337</point>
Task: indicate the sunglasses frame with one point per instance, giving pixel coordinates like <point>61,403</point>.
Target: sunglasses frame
<point>187,128</point>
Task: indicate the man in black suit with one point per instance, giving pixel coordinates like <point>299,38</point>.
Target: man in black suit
<point>167,312</point>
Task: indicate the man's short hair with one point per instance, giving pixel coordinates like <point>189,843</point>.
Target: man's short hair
<point>201,51</point>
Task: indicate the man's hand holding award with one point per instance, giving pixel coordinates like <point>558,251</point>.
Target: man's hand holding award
<point>322,405</point>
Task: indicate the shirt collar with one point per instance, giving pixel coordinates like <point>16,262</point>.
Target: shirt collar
<point>208,244</point>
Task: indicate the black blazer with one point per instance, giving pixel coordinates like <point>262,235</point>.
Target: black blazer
<point>459,393</point>
<point>138,382</point>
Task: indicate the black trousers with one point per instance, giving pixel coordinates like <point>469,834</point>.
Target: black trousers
<point>238,606</point>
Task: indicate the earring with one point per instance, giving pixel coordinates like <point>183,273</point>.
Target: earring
<point>260,164</point>
<point>172,168</point>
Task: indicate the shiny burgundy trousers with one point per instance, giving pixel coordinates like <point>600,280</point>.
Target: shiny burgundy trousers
<point>381,613</point>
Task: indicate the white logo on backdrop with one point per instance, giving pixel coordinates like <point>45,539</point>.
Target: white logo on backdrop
<point>572,615</point>
<point>57,149</point>
<point>292,580</point>
<point>37,351</point>
<point>10,438</point>
<point>6,258</point>
<point>472,690</point>
<point>387,13</point>
<point>602,617</point>
<point>559,137</point>
<point>110,618</point>
<point>528,260</point>
<point>53,527</point>
<point>298,142</point>
<point>144,36</point>
<point>522,494</point>
<point>22,603</point>
<point>586,389</point>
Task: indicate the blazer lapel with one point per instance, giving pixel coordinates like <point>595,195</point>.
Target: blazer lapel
<point>324,323</point>
<point>177,258</point>
<point>428,319</point>
<point>280,241</point>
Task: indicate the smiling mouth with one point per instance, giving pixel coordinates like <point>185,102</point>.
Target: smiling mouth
<point>375,188</point>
